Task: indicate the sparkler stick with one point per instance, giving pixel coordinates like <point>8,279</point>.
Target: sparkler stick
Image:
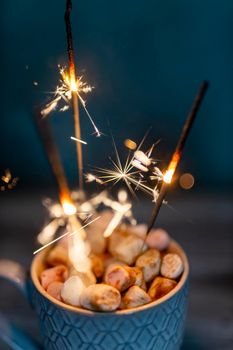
<point>52,153</point>
<point>75,104</point>
<point>167,178</point>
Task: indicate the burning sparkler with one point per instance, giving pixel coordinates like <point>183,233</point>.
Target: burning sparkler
<point>134,179</point>
<point>71,89</point>
<point>168,175</point>
<point>63,93</point>
<point>8,181</point>
<point>52,153</point>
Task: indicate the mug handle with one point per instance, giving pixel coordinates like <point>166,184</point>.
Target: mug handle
<point>9,333</point>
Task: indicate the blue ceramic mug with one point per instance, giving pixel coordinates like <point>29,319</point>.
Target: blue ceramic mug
<point>158,325</point>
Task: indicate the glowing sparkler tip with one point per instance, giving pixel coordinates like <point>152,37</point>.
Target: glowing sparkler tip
<point>73,85</point>
<point>168,176</point>
<point>68,207</point>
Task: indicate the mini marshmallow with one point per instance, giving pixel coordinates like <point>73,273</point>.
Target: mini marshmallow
<point>112,264</point>
<point>54,289</point>
<point>139,281</point>
<point>158,239</point>
<point>100,297</point>
<point>135,296</point>
<point>58,255</point>
<point>96,230</point>
<point>72,290</point>
<point>160,287</point>
<point>54,274</point>
<point>96,239</point>
<point>128,249</point>
<point>149,262</point>
<point>120,277</point>
<point>97,265</point>
<point>88,278</point>
<point>115,238</point>
<point>138,230</point>
<point>172,266</point>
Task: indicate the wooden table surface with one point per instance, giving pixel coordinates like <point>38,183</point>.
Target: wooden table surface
<point>203,224</point>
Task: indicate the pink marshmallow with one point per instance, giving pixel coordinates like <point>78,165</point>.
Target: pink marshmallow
<point>54,289</point>
<point>54,274</point>
<point>158,239</point>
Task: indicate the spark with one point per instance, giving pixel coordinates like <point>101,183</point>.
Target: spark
<point>122,208</point>
<point>64,108</point>
<point>63,93</point>
<point>78,140</point>
<point>133,179</point>
<point>91,178</point>
<point>59,218</point>
<point>157,174</point>
<point>64,235</point>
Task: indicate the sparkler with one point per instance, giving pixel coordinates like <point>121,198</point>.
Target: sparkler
<point>8,181</point>
<point>167,178</point>
<point>53,155</point>
<point>63,93</point>
<point>73,86</point>
<point>134,179</point>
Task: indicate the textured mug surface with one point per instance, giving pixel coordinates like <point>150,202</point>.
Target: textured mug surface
<point>158,325</point>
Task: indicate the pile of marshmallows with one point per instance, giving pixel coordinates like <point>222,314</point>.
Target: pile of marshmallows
<point>128,269</point>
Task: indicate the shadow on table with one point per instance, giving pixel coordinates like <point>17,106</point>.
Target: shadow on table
<point>193,341</point>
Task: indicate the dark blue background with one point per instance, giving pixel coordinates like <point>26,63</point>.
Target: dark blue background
<point>146,60</point>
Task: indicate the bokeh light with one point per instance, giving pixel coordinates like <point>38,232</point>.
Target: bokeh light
<point>130,144</point>
<point>186,181</point>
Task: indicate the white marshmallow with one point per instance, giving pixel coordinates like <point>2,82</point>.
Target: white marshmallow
<point>149,262</point>
<point>158,238</point>
<point>172,266</point>
<point>100,297</point>
<point>127,249</point>
<point>135,296</point>
<point>72,290</point>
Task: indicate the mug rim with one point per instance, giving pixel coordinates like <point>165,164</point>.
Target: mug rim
<point>36,282</point>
